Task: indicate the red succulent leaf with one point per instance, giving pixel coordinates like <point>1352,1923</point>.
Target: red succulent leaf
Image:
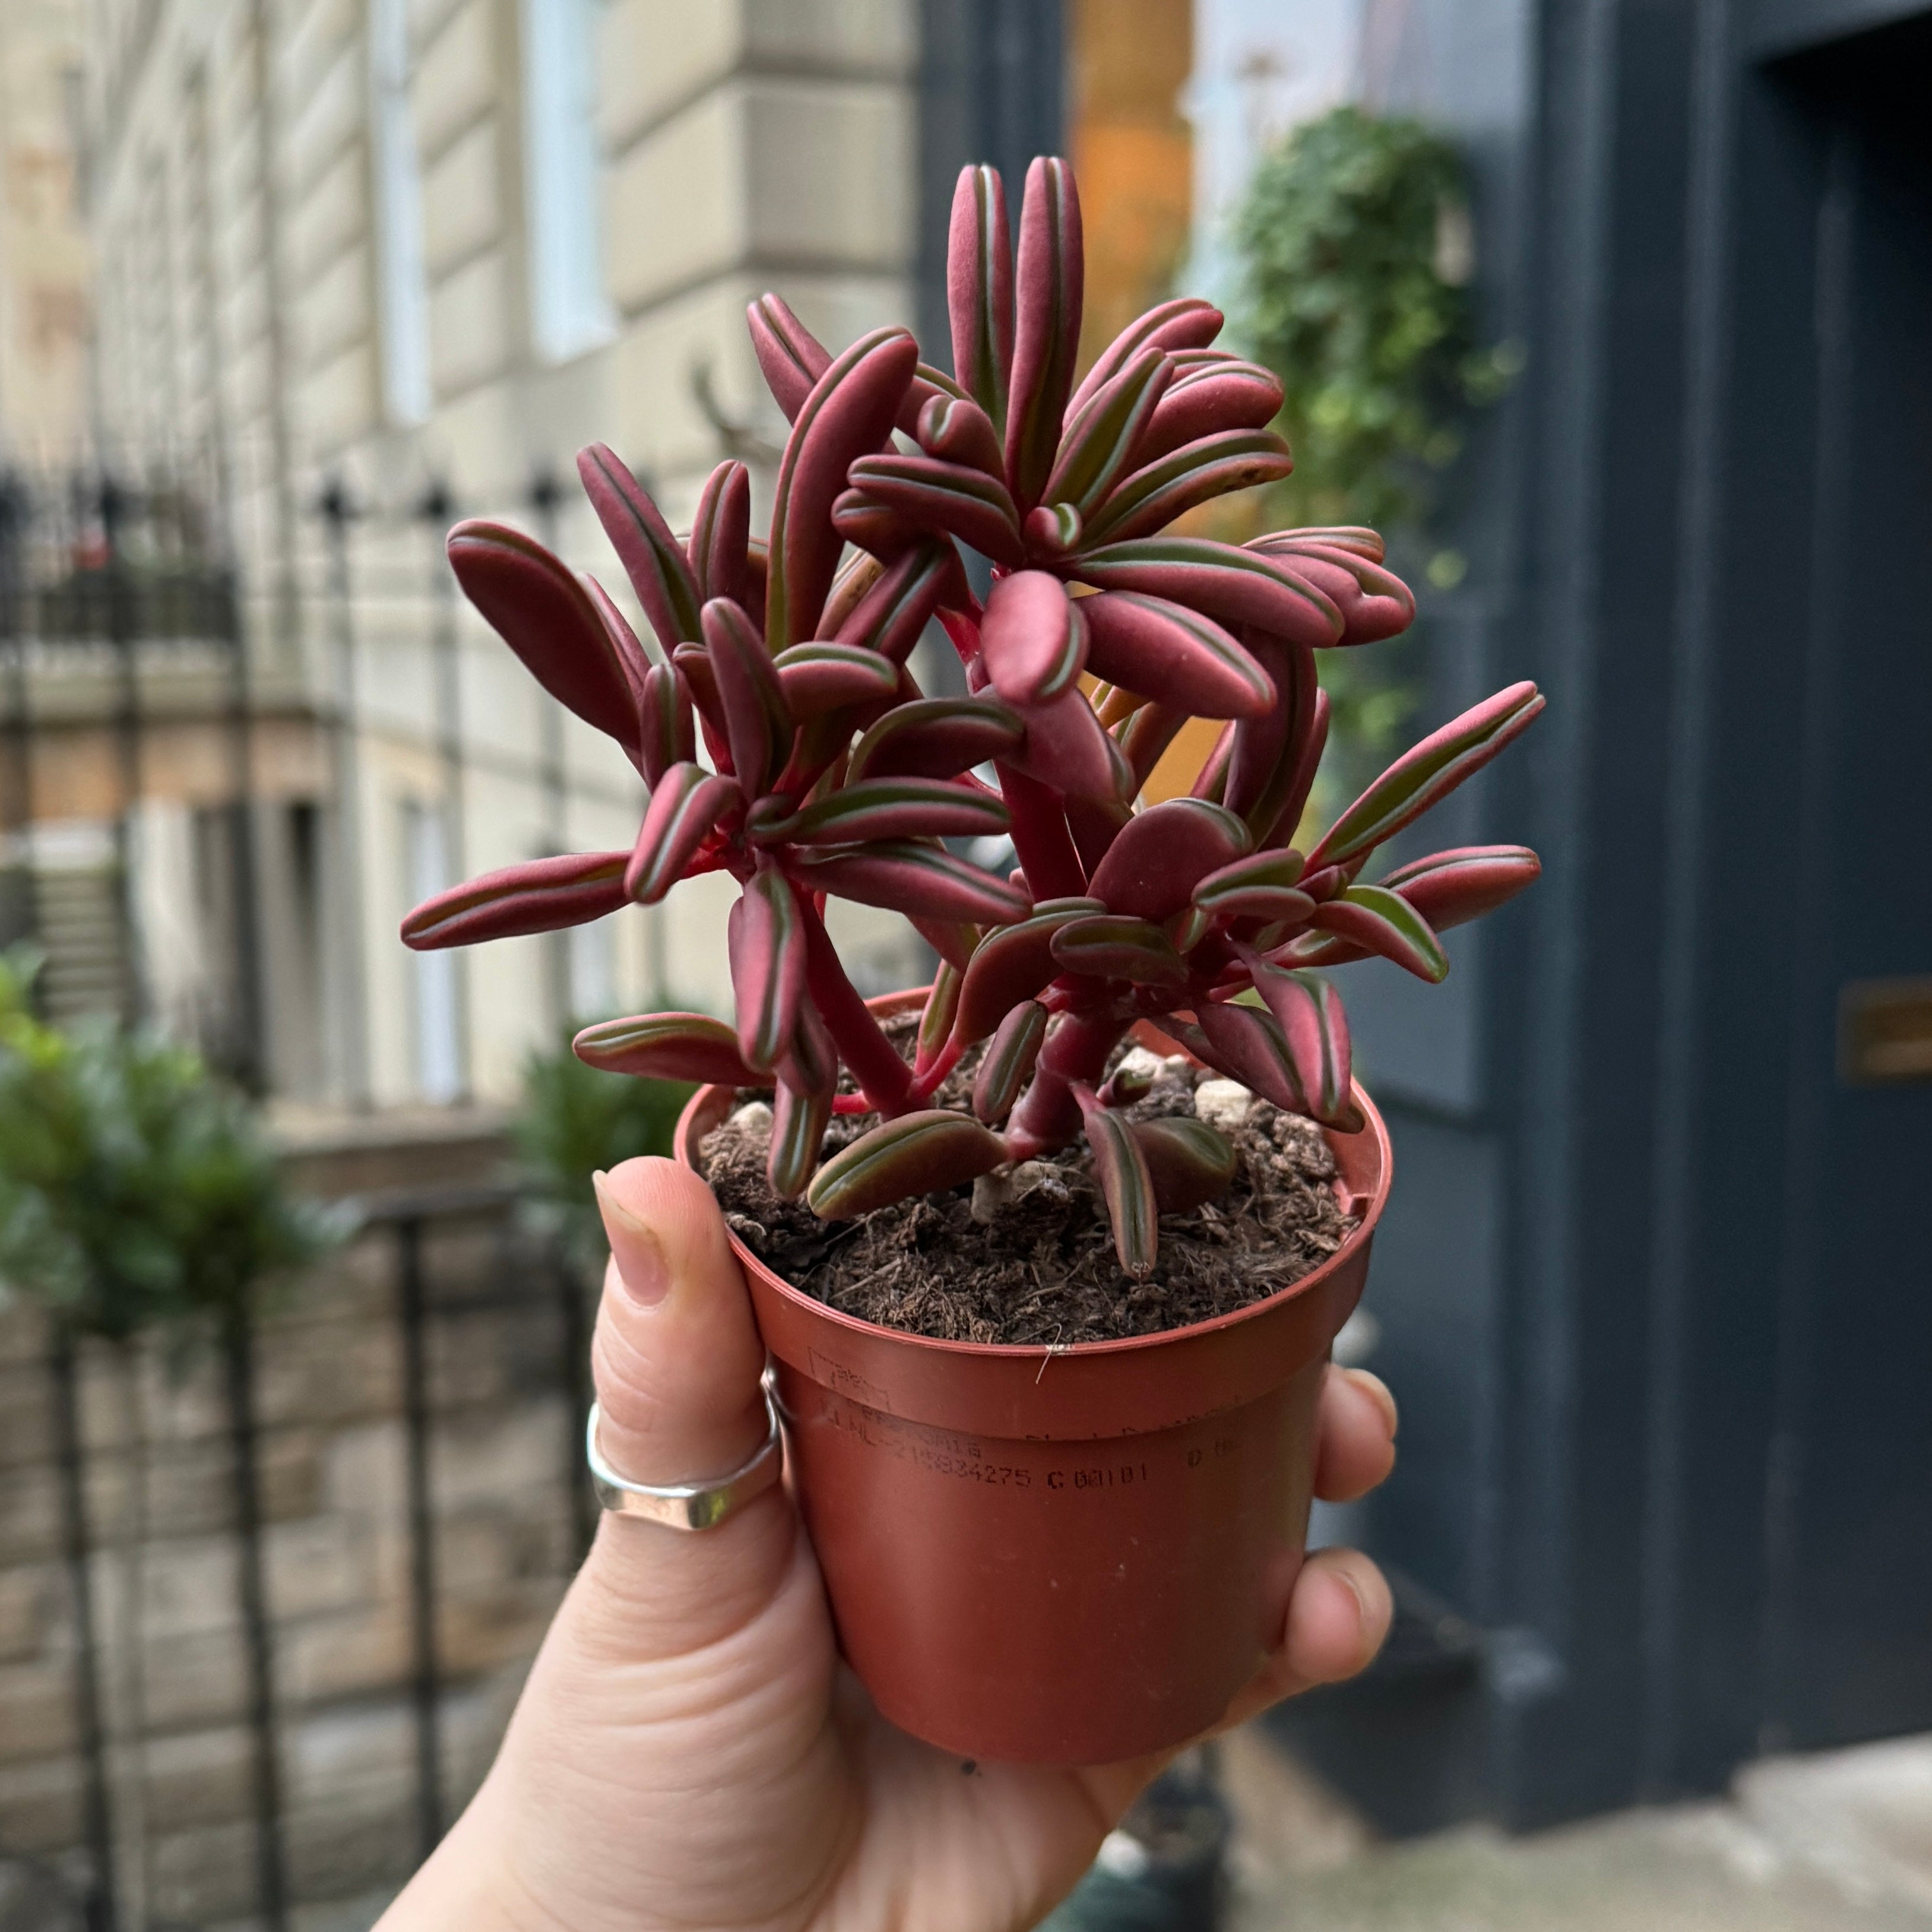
<point>810,1062</point>
<point>850,411</point>
<point>1189,1163</point>
<point>1066,748</point>
<point>1102,442</point>
<point>892,807</point>
<point>758,720</point>
<point>980,289</point>
<point>721,533</point>
<point>935,737</point>
<point>1450,888</point>
<point>1033,640</point>
<point>1095,823</point>
<point>1040,835</point>
<point>965,503</point>
<point>1110,945</point>
<point>1007,1063</point>
<point>818,678</point>
<point>635,657</point>
<point>956,429</point>
<point>1221,580</point>
<point>1150,499</point>
<point>653,560</point>
<point>1125,1184</point>
<point>1166,652</point>
<point>1247,1045</point>
<point>539,609</point>
<point>666,1046</point>
<point>1211,782</point>
<point>899,601</point>
<point>540,895</point>
<point>869,525</point>
<point>685,804</point>
<point>918,1153</point>
<point>790,356</point>
<point>799,1121</point>
<point>1357,539</point>
<point>1048,283</point>
<point>921,881</point>
<point>1217,396</point>
<point>766,940</point>
<point>1185,322</point>
<point>1262,885</point>
<point>1375,603</point>
<point>1013,965</point>
<point>1149,732</point>
<point>1422,776</point>
<point>1380,921</point>
<point>1267,756</point>
<point>1316,1029</point>
<point>935,1018</point>
<point>1051,531</point>
<point>668,736</point>
<point>1153,866</point>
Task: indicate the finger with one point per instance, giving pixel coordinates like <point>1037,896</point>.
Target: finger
<point>676,1359</point>
<point>1339,1614</point>
<point>1354,1434</point>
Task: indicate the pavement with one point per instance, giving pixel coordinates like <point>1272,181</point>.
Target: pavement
<point>1838,1842</point>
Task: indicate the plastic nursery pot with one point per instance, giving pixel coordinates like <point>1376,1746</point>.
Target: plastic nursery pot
<point>1057,1556</point>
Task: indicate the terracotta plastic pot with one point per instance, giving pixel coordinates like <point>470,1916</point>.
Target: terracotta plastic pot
<point>1056,1556</point>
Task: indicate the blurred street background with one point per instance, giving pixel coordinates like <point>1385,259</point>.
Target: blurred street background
<point>1614,314</point>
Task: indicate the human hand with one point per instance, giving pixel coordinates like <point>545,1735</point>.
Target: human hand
<point>690,1752</point>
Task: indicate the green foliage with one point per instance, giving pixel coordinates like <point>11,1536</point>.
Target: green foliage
<point>1354,238</point>
<point>575,1121</point>
<point>134,1187</point>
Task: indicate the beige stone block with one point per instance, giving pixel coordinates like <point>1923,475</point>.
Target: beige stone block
<point>325,1563</point>
<point>675,207</point>
<point>26,1414</point>
<point>455,77</point>
<point>334,310</point>
<point>191,1588</point>
<point>316,35</point>
<point>29,1513</point>
<point>199,1778</point>
<point>196,1680</point>
<point>36,1709</point>
<point>342,1847</point>
<point>347,1654</point>
<point>866,37</point>
<point>325,1377</point>
<point>201,1874</point>
<point>23,1334</point>
<point>831,172</point>
<point>40,1804</point>
<point>470,323</point>
<point>32,1596</point>
<point>332,216</point>
<point>363,1471</point>
<point>337,403</point>
<point>319,116</point>
<point>658,428</point>
<point>656,55</point>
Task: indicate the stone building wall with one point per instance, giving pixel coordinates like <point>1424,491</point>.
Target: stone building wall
<point>160,1483</point>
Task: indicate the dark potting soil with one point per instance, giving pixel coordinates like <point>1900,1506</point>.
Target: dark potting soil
<point>1039,1266</point>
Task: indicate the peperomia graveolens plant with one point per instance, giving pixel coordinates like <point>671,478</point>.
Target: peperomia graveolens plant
<point>828,771</point>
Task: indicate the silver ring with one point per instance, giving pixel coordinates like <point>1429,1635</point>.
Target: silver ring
<point>688,1505</point>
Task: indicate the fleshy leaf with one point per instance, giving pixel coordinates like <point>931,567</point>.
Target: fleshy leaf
<point>1375,603</point>
<point>1220,580</point>
<point>666,1046</point>
<point>1216,396</point>
<point>1121,1168</point>
<point>1173,654</point>
<point>921,881</point>
<point>1214,466</point>
<point>1421,777</point>
<point>935,737</point>
<point>758,720</point>
<point>898,602</point>
<point>799,1121</point>
<point>1381,921</point>
<point>1229,891</point>
<point>947,497</point>
<point>669,738</point>
<point>534,604</point>
<point>1048,286</point>
<point>1247,1045</point>
<point>850,411</point>
<point>1103,441</point>
<point>766,940</point>
<point>1189,1163</point>
<point>1149,732</point>
<point>935,1018</point>
<point>1265,763</point>
<point>1065,747</point>
<point>1007,1063</point>
<point>1315,1029</point>
<point>540,895</point>
<point>895,808</point>
<point>653,560</point>
<point>1450,888</point>
<point>1152,867</point>
<point>818,678</point>
<point>1033,640</point>
<point>922,1152</point>
<point>790,356</point>
<point>1013,965</point>
<point>1110,945</point>
<point>685,804</point>
<point>955,429</point>
<point>980,289</point>
<point>720,533</point>
<point>1185,322</point>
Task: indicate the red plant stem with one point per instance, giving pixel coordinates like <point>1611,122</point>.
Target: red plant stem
<point>1040,837</point>
<point>929,1083</point>
<point>883,1076</point>
<point>1075,1054</point>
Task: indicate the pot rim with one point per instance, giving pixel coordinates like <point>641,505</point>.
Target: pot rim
<point>707,1098</point>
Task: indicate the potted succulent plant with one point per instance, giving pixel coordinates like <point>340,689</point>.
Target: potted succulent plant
<point>1048,1255</point>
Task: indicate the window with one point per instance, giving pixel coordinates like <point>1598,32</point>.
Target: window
<point>569,312</point>
<point>403,293</point>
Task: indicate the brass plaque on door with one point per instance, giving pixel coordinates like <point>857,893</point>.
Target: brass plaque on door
<point>1884,1031</point>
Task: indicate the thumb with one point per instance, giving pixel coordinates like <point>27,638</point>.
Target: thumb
<point>676,1359</point>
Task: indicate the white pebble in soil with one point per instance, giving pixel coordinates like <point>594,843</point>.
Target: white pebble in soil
<point>1222,1103</point>
<point>754,1116</point>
